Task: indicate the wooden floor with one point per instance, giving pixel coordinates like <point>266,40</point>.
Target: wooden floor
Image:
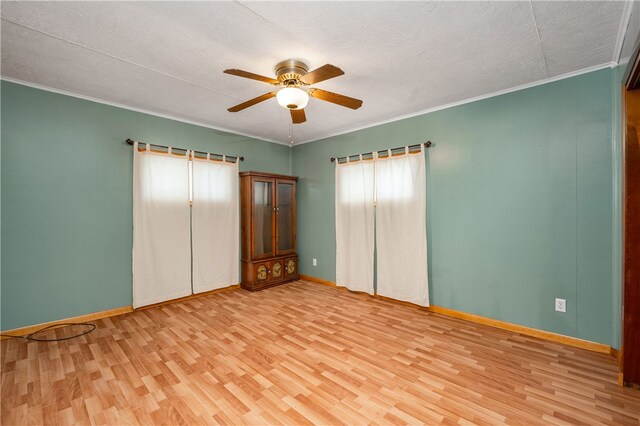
<point>305,353</point>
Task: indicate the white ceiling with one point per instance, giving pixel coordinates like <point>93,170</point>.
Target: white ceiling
<point>399,57</point>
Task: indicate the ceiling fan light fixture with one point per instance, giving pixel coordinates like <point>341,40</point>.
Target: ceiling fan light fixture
<point>293,81</point>
<point>292,98</point>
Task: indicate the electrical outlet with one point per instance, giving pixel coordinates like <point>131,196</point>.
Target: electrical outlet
<point>561,305</point>
<point>315,262</point>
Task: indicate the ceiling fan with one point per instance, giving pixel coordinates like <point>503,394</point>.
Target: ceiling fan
<point>294,79</point>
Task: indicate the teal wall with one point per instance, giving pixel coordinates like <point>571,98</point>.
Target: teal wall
<point>523,201</point>
<point>520,206</point>
<point>67,198</point>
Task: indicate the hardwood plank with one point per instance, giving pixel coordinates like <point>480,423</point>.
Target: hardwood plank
<point>81,318</point>
<point>542,334</point>
<point>306,354</point>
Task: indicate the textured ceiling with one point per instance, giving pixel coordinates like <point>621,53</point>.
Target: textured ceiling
<point>398,57</point>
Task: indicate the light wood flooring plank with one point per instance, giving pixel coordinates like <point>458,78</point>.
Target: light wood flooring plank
<point>304,353</point>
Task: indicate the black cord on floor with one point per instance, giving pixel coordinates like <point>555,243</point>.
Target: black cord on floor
<point>30,337</point>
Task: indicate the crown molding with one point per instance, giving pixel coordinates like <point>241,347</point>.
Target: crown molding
<point>354,129</point>
<point>469,100</point>
<point>140,110</point>
<point>622,31</point>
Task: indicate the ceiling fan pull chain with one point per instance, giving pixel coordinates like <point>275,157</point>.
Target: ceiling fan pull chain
<point>291,133</point>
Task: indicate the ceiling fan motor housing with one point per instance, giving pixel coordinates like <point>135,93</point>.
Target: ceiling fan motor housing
<point>291,70</point>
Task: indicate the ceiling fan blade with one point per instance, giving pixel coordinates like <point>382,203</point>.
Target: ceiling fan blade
<point>252,102</point>
<point>335,98</point>
<point>298,116</point>
<point>323,73</point>
<point>252,76</point>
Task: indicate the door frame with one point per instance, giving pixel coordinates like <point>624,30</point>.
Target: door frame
<point>629,354</point>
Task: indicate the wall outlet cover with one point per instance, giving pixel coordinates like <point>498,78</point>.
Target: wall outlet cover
<point>315,262</point>
<point>561,305</point>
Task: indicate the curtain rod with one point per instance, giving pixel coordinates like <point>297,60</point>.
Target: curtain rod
<point>131,141</point>
<point>427,144</point>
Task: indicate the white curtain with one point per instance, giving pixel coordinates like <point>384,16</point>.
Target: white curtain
<point>215,224</point>
<point>401,229</point>
<point>354,225</point>
<point>161,234</point>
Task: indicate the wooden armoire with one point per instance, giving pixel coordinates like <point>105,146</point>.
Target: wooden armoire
<point>268,215</point>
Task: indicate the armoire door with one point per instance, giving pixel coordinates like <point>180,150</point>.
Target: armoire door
<point>291,267</point>
<point>262,273</point>
<point>263,209</point>
<point>285,216</point>
<point>277,270</point>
